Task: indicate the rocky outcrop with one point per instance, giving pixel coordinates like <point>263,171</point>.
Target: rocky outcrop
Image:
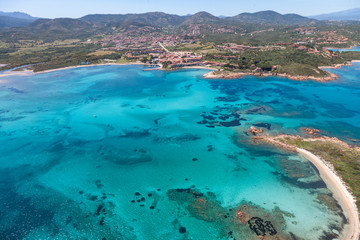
<point>241,216</point>
<point>232,75</point>
<point>255,130</point>
<point>310,131</point>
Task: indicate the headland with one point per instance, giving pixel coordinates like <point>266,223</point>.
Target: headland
<point>315,149</point>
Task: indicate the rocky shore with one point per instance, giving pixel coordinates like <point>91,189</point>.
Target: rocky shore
<point>233,75</point>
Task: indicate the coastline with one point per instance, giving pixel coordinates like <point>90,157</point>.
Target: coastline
<point>337,66</point>
<point>333,181</point>
<point>200,67</point>
<point>209,75</point>
<point>90,65</point>
<point>340,193</point>
<point>330,77</point>
<point>28,72</point>
<point>7,73</point>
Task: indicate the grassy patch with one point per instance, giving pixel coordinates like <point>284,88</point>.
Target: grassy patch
<point>302,70</point>
<point>101,53</point>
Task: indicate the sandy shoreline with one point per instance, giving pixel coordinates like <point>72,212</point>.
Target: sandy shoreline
<point>210,75</point>
<point>30,72</point>
<point>339,189</point>
<point>340,193</point>
<point>90,65</point>
<point>337,66</point>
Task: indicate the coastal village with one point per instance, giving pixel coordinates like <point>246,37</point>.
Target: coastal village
<point>151,45</point>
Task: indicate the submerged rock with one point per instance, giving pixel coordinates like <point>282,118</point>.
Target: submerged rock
<point>248,221</point>
<point>256,110</point>
<point>261,227</point>
<point>263,125</point>
<point>232,123</point>
<point>241,216</point>
<point>182,230</point>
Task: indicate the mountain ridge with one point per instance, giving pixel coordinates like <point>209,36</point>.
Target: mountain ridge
<point>201,17</point>
<point>8,22</point>
<point>346,15</point>
<point>271,17</point>
<point>20,15</point>
<point>106,23</point>
<point>152,18</point>
<point>15,19</point>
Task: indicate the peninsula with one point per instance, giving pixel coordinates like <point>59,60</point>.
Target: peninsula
<point>338,164</point>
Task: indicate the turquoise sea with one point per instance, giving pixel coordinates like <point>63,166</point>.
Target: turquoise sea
<point>353,49</point>
<point>114,152</point>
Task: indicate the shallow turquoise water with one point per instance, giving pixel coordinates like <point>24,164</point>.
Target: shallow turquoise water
<point>93,153</point>
<point>353,49</point>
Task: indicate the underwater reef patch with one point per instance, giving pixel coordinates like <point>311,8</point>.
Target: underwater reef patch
<point>245,221</point>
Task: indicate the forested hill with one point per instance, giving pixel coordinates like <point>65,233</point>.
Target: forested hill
<point>30,28</point>
<point>15,19</point>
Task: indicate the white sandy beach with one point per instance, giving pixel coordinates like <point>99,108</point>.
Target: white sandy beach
<point>336,66</point>
<point>209,75</point>
<point>28,72</point>
<point>92,65</point>
<point>339,189</point>
<point>340,192</point>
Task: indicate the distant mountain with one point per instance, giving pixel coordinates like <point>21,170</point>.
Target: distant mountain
<point>156,18</point>
<point>103,19</point>
<point>19,15</point>
<point>352,15</point>
<point>202,17</point>
<point>15,19</point>
<point>60,26</point>
<point>271,17</point>
<point>50,29</point>
<point>152,18</point>
<point>6,22</point>
<point>104,22</point>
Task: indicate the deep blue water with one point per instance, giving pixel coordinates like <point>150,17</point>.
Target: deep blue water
<point>114,152</point>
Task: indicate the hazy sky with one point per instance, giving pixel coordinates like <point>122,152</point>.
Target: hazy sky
<point>79,8</point>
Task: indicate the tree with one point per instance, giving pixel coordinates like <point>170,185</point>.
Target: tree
<point>144,60</point>
<point>265,66</point>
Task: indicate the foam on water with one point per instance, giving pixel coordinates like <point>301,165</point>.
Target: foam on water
<point>95,153</point>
